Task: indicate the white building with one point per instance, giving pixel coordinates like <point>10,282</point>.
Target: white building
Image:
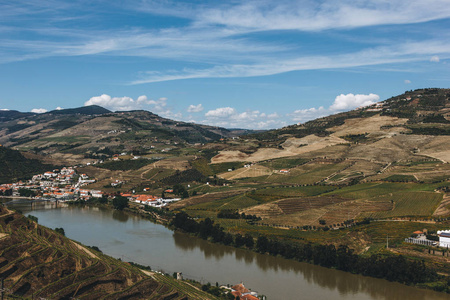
<point>444,238</point>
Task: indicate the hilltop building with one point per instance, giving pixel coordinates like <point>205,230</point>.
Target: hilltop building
<point>444,238</point>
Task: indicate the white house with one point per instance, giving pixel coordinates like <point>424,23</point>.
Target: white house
<point>444,238</point>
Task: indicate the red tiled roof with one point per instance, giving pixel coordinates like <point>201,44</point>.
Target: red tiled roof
<point>240,288</point>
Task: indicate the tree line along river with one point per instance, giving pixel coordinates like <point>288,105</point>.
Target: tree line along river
<point>132,238</point>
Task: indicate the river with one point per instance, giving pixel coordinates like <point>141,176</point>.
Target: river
<point>133,238</point>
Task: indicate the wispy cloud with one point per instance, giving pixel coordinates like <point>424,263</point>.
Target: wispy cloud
<point>409,52</point>
<point>224,38</point>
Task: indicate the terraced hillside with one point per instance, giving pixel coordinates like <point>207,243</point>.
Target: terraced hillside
<point>38,263</point>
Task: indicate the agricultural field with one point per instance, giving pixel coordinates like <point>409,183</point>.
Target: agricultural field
<point>157,174</point>
<point>309,173</point>
<point>410,204</point>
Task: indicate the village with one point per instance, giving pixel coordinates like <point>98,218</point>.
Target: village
<point>66,185</point>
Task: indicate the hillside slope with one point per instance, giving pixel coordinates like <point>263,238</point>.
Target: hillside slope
<point>92,132</point>
<point>404,127</point>
<point>37,262</point>
<point>14,166</point>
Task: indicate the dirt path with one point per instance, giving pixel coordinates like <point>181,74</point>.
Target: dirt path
<point>85,250</point>
<point>148,273</point>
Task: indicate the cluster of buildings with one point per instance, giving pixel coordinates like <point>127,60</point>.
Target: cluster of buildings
<point>420,237</point>
<point>62,184</point>
<point>149,200</point>
<point>66,185</point>
<point>241,292</point>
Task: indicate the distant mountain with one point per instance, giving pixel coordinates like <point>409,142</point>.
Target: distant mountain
<point>93,131</point>
<point>85,110</point>
<point>7,115</point>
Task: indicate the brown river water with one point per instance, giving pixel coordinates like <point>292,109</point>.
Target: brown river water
<point>132,238</point>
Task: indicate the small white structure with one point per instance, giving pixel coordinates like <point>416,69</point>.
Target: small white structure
<point>444,238</point>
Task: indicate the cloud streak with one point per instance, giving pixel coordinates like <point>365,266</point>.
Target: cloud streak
<point>224,38</point>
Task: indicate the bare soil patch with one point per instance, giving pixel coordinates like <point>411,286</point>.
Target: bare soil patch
<point>443,208</point>
<point>92,255</point>
<point>252,171</point>
<point>369,125</point>
<point>291,147</point>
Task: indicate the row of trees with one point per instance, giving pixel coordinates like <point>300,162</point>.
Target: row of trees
<point>391,267</point>
<point>206,229</point>
<point>233,214</point>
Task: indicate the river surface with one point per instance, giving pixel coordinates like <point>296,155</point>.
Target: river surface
<point>132,238</point>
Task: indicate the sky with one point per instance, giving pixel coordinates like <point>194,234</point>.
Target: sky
<point>237,64</point>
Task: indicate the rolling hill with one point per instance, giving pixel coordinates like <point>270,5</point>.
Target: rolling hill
<point>93,132</point>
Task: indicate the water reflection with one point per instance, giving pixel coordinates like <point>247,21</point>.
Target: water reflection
<point>120,234</point>
<point>120,216</point>
<point>345,284</point>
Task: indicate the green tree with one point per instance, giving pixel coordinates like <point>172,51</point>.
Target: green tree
<point>60,231</point>
<point>120,202</point>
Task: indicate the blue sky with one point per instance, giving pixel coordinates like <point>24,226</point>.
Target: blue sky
<point>249,64</point>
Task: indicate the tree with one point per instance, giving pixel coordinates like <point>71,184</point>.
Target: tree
<point>120,202</point>
<point>60,231</point>
<point>262,244</point>
<point>249,242</point>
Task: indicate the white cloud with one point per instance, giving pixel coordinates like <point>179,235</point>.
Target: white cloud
<point>4,109</point>
<point>341,103</point>
<point>435,58</point>
<point>350,101</point>
<point>309,15</point>
<point>39,110</point>
<point>59,108</point>
<point>195,108</point>
<point>158,106</point>
<point>128,103</point>
<point>113,103</point>
<point>303,115</point>
<point>229,117</point>
<point>407,81</point>
<point>214,33</point>
<point>222,112</point>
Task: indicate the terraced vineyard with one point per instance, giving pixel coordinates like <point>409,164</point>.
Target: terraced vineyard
<point>408,204</point>
<point>37,262</point>
<point>290,206</point>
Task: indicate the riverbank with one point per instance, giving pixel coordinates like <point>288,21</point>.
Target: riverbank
<point>408,270</point>
<point>326,255</point>
<point>37,262</point>
<point>132,238</point>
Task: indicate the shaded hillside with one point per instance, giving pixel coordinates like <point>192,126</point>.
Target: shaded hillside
<point>7,115</point>
<point>14,166</point>
<point>37,263</point>
<point>96,132</point>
